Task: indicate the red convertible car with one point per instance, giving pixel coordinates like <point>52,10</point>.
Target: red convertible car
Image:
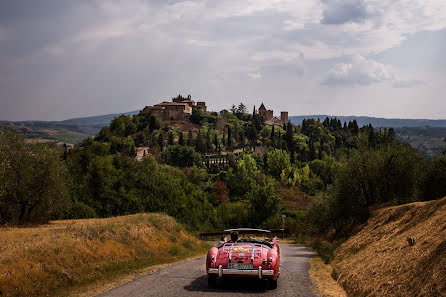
<point>245,256</point>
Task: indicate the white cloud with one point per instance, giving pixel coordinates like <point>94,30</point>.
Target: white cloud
<point>359,72</point>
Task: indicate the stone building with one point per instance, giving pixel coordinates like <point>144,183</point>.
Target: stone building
<point>265,114</point>
<point>179,109</point>
<point>268,116</point>
<point>284,117</point>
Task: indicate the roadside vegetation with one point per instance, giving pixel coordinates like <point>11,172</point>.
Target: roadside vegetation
<point>57,258</point>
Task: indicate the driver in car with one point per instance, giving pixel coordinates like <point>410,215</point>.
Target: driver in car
<point>234,236</point>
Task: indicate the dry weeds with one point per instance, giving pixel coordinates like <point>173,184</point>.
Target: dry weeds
<point>379,261</point>
<point>64,255</point>
<point>323,284</point>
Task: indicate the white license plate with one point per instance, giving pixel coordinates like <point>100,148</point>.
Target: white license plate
<point>240,265</point>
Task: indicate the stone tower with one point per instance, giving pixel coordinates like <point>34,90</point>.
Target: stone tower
<point>284,116</point>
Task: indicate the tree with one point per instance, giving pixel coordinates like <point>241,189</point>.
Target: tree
<point>33,186</point>
<point>161,141</point>
<point>278,161</point>
<point>200,144</point>
<point>289,137</point>
<point>220,192</point>
<point>190,139</point>
<point>170,136</point>
<point>229,137</point>
<point>181,156</point>
<point>241,109</point>
<point>154,123</point>
<point>180,138</point>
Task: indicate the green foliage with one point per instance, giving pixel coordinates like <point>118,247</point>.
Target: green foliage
<point>32,180</point>
<point>432,182</point>
<point>324,249</point>
<point>181,156</point>
<point>278,161</point>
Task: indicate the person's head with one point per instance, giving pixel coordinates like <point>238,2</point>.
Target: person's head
<point>234,236</point>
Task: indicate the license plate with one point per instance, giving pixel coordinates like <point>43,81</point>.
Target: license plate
<point>240,265</point>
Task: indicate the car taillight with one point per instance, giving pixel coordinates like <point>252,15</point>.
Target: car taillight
<point>212,264</point>
<point>270,264</point>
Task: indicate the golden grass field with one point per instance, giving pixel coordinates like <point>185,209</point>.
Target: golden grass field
<point>57,258</point>
<point>379,261</point>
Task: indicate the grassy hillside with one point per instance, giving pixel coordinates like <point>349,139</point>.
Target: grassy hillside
<point>379,261</point>
<point>54,259</point>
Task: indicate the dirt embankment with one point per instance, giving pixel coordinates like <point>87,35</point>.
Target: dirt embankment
<point>400,252</point>
<point>55,259</point>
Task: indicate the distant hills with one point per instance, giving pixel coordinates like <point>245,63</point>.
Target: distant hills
<point>100,120</point>
<point>376,122</point>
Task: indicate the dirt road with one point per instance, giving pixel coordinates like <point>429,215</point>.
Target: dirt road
<point>189,279</point>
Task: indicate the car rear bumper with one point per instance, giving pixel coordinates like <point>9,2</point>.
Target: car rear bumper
<point>260,273</point>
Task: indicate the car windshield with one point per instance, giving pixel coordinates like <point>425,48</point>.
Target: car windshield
<point>249,240</point>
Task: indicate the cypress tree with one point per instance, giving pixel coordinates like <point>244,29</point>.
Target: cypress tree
<point>181,138</point>
<point>229,137</point>
<point>161,141</point>
<point>190,138</point>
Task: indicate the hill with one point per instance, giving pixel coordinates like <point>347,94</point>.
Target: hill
<point>100,120</point>
<point>71,131</point>
<point>376,122</point>
<point>380,260</point>
<point>54,259</point>
<point>428,140</point>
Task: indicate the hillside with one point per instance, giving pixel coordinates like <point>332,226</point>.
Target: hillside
<point>428,140</point>
<point>379,261</point>
<point>376,122</point>
<point>55,259</point>
<point>100,120</point>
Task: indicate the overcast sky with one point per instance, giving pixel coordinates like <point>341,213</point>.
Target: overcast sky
<point>65,59</point>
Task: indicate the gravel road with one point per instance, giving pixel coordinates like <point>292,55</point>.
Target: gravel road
<point>189,279</point>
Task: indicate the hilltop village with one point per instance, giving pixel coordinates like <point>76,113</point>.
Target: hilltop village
<point>181,108</point>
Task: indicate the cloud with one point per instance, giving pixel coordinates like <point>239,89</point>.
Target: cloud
<point>344,11</point>
<point>407,83</point>
<point>96,53</point>
<point>256,75</point>
<point>359,72</point>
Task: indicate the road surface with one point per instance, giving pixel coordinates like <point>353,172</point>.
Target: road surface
<point>189,279</point>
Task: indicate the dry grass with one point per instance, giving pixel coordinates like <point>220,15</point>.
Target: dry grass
<point>379,261</point>
<point>323,284</point>
<point>56,258</point>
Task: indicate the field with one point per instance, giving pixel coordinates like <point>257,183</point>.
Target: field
<point>400,252</point>
<point>64,256</point>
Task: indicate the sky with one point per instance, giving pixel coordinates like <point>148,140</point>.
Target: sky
<point>67,59</point>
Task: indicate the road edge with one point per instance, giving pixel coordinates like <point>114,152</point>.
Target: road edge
<point>322,282</point>
<point>102,286</point>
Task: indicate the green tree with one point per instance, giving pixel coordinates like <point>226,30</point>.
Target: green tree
<point>181,156</point>
<point>32,180</point>
<point>278,161</point>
